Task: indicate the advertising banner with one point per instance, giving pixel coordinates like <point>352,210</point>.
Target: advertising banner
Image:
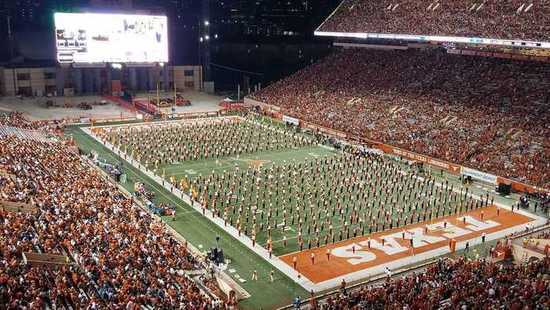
<point>455,169</point>
<point>291,120</point>
<point>478,175</point>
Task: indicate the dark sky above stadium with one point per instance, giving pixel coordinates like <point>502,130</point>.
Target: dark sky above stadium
<point>235,21</point>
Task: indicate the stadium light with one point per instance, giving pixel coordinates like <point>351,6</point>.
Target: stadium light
<point>216,36</point>
<point>435,38</point>
<point>207,37</point>
<point>206,23</point>
<point>201,39</point>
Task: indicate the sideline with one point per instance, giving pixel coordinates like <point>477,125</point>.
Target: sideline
<point>179,238</point>
<point>246,241</point>
<point>276,262</point>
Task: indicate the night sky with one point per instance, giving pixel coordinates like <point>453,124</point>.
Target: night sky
<point>234,20</point>
<point>249,35</point>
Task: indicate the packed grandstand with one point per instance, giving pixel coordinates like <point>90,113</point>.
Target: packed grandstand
<point>72,237</point>
<point>118,256</point>
<point>517,19</point>
<point>455,284</point>
<point>489,114</point>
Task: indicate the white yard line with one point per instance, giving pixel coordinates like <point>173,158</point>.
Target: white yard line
<point>187,121</point>
<point>246,241</point>
<point>332,283</point>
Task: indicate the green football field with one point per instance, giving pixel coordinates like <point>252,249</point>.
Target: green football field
<point>192,170</point>
<point>202,233</point>
<point>199,231</point>
<point>279,186</point>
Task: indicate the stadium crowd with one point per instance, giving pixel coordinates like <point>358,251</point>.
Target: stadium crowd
<point>533,242</point>
<point>16,119</point>
<point>456,284</point>
<point>488,114</point>
<point>120,257</point>
<point>514,19</point>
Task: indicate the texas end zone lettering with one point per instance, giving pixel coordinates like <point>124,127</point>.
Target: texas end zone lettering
<point>360,252</point>
<point>353,256</point>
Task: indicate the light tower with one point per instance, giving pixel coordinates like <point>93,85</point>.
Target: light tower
<point>204,40</point>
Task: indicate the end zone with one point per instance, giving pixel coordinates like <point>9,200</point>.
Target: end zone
<point>367,256</point>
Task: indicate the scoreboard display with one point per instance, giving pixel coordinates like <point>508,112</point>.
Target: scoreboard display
<point>111,38</point>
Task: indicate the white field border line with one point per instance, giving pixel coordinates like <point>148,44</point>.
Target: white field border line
<point>285,132</point>
<point>246,241</point>
<point>184,121</point>
<point>293,274</point>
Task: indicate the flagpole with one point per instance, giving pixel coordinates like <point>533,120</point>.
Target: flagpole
<point>158,96</point>
<point>175,93</point>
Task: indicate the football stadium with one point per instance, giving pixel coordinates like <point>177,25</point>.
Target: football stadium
<point>408,168</point>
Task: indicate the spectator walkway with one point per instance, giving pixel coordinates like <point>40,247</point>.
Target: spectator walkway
<point>25,134</point>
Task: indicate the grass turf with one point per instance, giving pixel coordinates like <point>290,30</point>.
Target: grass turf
<point>267,151</point>
<point>198,230</point>
<point>193,169</point>
<point>201,232</point>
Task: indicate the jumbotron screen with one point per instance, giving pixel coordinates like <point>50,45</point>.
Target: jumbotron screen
<point>119,38</point>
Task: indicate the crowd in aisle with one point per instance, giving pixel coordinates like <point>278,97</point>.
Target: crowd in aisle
<point>18,120</point>
<point>483,113</point>
<point>514,19</point>
<point>119,256</point>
